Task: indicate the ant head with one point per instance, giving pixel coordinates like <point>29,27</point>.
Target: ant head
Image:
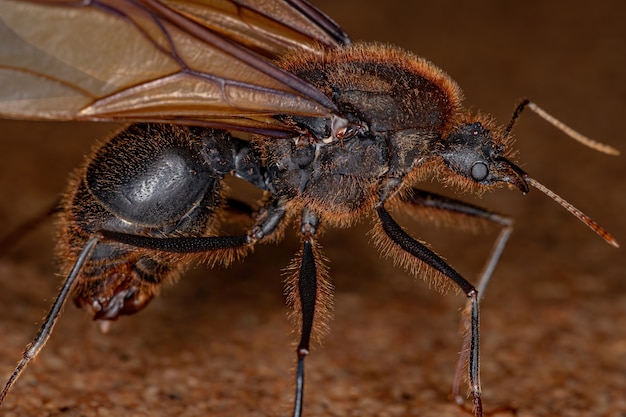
<point>477,153</point>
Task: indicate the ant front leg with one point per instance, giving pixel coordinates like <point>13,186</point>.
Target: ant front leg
<point>410,252</point>
<point>452,207</point>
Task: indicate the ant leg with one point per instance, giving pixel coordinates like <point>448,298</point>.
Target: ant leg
<point>308,278</point>
<point>178,244</point>
<point>33,349</point>
<point>459,208</point>
<point>307,291</point>
<point>268,224</point>
<point>405,244</point>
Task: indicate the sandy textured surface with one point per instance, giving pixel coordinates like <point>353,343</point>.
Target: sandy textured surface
<point>219,343</point>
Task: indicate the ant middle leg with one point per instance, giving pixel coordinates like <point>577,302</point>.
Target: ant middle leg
<point>309,295</point>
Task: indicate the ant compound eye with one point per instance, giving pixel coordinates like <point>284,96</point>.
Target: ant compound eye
<point>480,170</point>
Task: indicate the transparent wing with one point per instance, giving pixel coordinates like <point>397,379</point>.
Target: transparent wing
<point>198,61</point>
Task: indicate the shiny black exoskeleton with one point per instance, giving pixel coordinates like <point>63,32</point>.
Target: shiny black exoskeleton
<point>153,196</point>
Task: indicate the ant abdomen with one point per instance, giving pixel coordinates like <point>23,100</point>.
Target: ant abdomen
<point>151,180</point>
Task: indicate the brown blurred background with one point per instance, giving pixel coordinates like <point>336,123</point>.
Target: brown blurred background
<point>218,343</point>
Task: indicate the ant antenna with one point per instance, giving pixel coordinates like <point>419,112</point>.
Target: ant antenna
<point>598,146</point>
<point>593,144</point>
<point>600,231</point>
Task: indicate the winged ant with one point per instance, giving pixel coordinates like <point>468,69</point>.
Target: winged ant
<point>330,131</point>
